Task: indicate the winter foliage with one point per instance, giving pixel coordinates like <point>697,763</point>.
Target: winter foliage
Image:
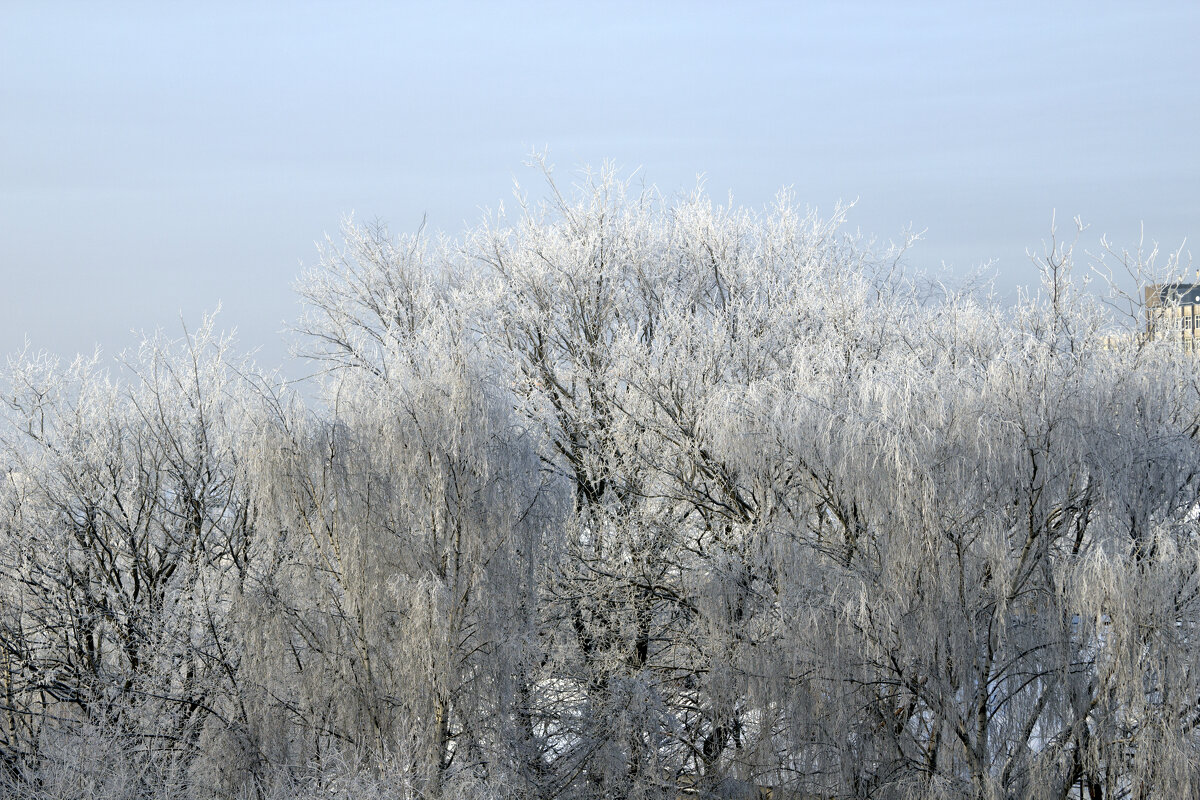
<point>612,497</point>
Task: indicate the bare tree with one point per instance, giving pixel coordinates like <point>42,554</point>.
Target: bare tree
<point>127,524</point>
<point>616,496</point>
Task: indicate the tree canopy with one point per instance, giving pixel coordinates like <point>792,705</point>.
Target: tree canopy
<point>613,497</point>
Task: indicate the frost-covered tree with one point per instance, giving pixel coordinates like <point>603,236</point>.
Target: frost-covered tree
<point>615,496</point>
<point>126,525</point>
<point>400,535</point>
<point>623,324</point>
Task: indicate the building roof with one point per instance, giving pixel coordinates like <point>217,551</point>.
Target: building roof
<point>1173,293</point>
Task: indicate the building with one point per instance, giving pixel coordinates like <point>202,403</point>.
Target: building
<point>1173,313</point>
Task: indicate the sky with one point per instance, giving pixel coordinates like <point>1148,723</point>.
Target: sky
<point>158,159</point>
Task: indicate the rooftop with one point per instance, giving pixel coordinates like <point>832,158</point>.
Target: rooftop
<point>1173,293</point>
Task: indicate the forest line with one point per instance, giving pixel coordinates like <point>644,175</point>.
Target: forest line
<point>614,497</point>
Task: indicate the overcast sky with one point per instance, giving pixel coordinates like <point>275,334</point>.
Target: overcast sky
<point>159,158</point>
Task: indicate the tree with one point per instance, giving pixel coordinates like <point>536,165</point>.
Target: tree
<point>400,532</point>
<point>615,496</point>
<point>127,521</point>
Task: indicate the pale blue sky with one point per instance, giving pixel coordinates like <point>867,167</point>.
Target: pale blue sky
<point>156,158</point>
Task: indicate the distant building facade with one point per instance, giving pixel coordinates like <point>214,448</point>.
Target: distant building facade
<point>1173,314</point>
